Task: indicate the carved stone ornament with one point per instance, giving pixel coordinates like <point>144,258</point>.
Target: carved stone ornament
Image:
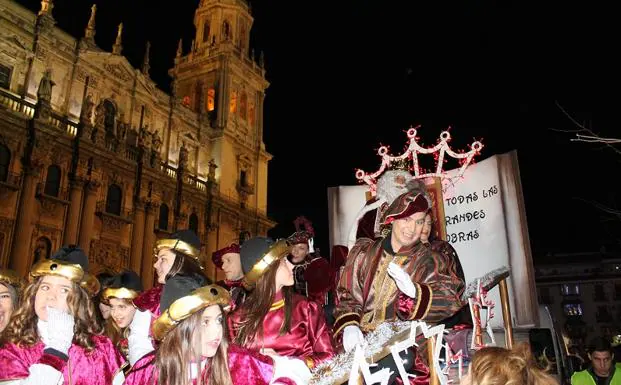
<point>109,254</point>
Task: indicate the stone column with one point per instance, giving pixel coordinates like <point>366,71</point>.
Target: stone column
<point>147,246</point>
<point>88,215</point>
<point>73,217</point>
<point>135,260</point>
<point>20,258</point>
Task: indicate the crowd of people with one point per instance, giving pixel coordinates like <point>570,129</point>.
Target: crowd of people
<point>281,310</point>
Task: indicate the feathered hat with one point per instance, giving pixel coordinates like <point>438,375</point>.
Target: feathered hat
<point>304,233</point>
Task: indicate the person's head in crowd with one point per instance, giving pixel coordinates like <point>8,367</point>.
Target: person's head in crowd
<point>178,255</point>
<point>500,366</point>
<point>601,356</point>
<point>10,288</point>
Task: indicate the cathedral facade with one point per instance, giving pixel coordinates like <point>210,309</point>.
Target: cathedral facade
<point>93,153</point>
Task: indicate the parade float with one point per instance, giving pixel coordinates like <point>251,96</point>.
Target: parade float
<point>479,209</point>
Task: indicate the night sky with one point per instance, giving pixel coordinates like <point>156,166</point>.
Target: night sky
<point>365,71</point>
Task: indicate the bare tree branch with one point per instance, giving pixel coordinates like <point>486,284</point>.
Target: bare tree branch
<point>584,134</point>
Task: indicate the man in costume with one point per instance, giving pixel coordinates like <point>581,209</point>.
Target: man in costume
<point>228,260</point>
<point>314,277</point>
<point>10,288</point>
<point>395,277</point>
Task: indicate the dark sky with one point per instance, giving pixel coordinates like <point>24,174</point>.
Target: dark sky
<point>367,70</point>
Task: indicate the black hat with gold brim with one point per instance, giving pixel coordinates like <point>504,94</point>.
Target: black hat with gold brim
<point>263,252</point>
<point>184,241</point>
<point>126,285</point>
<point>10,277</point>
<point>69,262</point>
<point>182,296</point>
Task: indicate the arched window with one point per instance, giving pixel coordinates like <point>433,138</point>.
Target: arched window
<point>43,249</point>
<point>52,181</point>
<point>243,104</point>
<point>114,199</point>
<point>226,30</point>
<point>194,223</point>
<point>109,116</point>
<point>211,99</point>
<point>206,32</point>
<point>5,162</point>
<point>162,223</point>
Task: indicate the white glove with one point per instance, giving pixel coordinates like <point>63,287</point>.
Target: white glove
<point>59,330</point>
<point>291,368</point>
<point>138,342</point>
<point>402,279</point>
<point>352,336</point>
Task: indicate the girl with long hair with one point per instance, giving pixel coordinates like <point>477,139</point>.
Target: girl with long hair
<point>53,337</point>
<point>119,294</point>
<point>274,319</point>
<point>193,348</point>
<point>500,366</point>
<point>178,255</point>
<point>10,289</point>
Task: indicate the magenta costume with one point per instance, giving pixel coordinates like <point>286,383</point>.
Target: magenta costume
<point>150,300</point>
<point>245,367</point>
<point>97,367</point>
<point>310,338</point>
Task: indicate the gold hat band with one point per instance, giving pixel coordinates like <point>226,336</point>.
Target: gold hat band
<point>10,277</point>
<point>119,292</point>
<point>179,245</point>
<point>72,272</point>
<point>273,254</point>
<point>184,307</point>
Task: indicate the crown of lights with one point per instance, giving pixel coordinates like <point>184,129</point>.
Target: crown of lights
<point>409,159</point>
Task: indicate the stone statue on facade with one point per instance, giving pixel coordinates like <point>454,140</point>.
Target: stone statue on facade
<point>121,129</point>
<point>100,116</point>
<point>44,96</point>
<point>183,156</point>
<point>156,142</point>
<point>87,110</point>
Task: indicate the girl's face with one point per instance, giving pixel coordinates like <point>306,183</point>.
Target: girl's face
<point>284,274</point>
<point>424,234</point>
<point>163,263</point>
<point>53,292</point>
<point>105,310</point>
<point>121,312</point>
<point>211,330</point>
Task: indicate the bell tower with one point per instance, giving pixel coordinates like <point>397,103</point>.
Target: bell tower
<point>222,80</point>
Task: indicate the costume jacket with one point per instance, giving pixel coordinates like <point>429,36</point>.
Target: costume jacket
<point>368,296</point>
<point>245,367</point>
<point>314,278</point>
<point>97,367</point>
<point>236,290</point>
<point>309,339</point>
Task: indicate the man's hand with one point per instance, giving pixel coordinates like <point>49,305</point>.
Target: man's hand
<point>402,279</point>
<point>352,336</point>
